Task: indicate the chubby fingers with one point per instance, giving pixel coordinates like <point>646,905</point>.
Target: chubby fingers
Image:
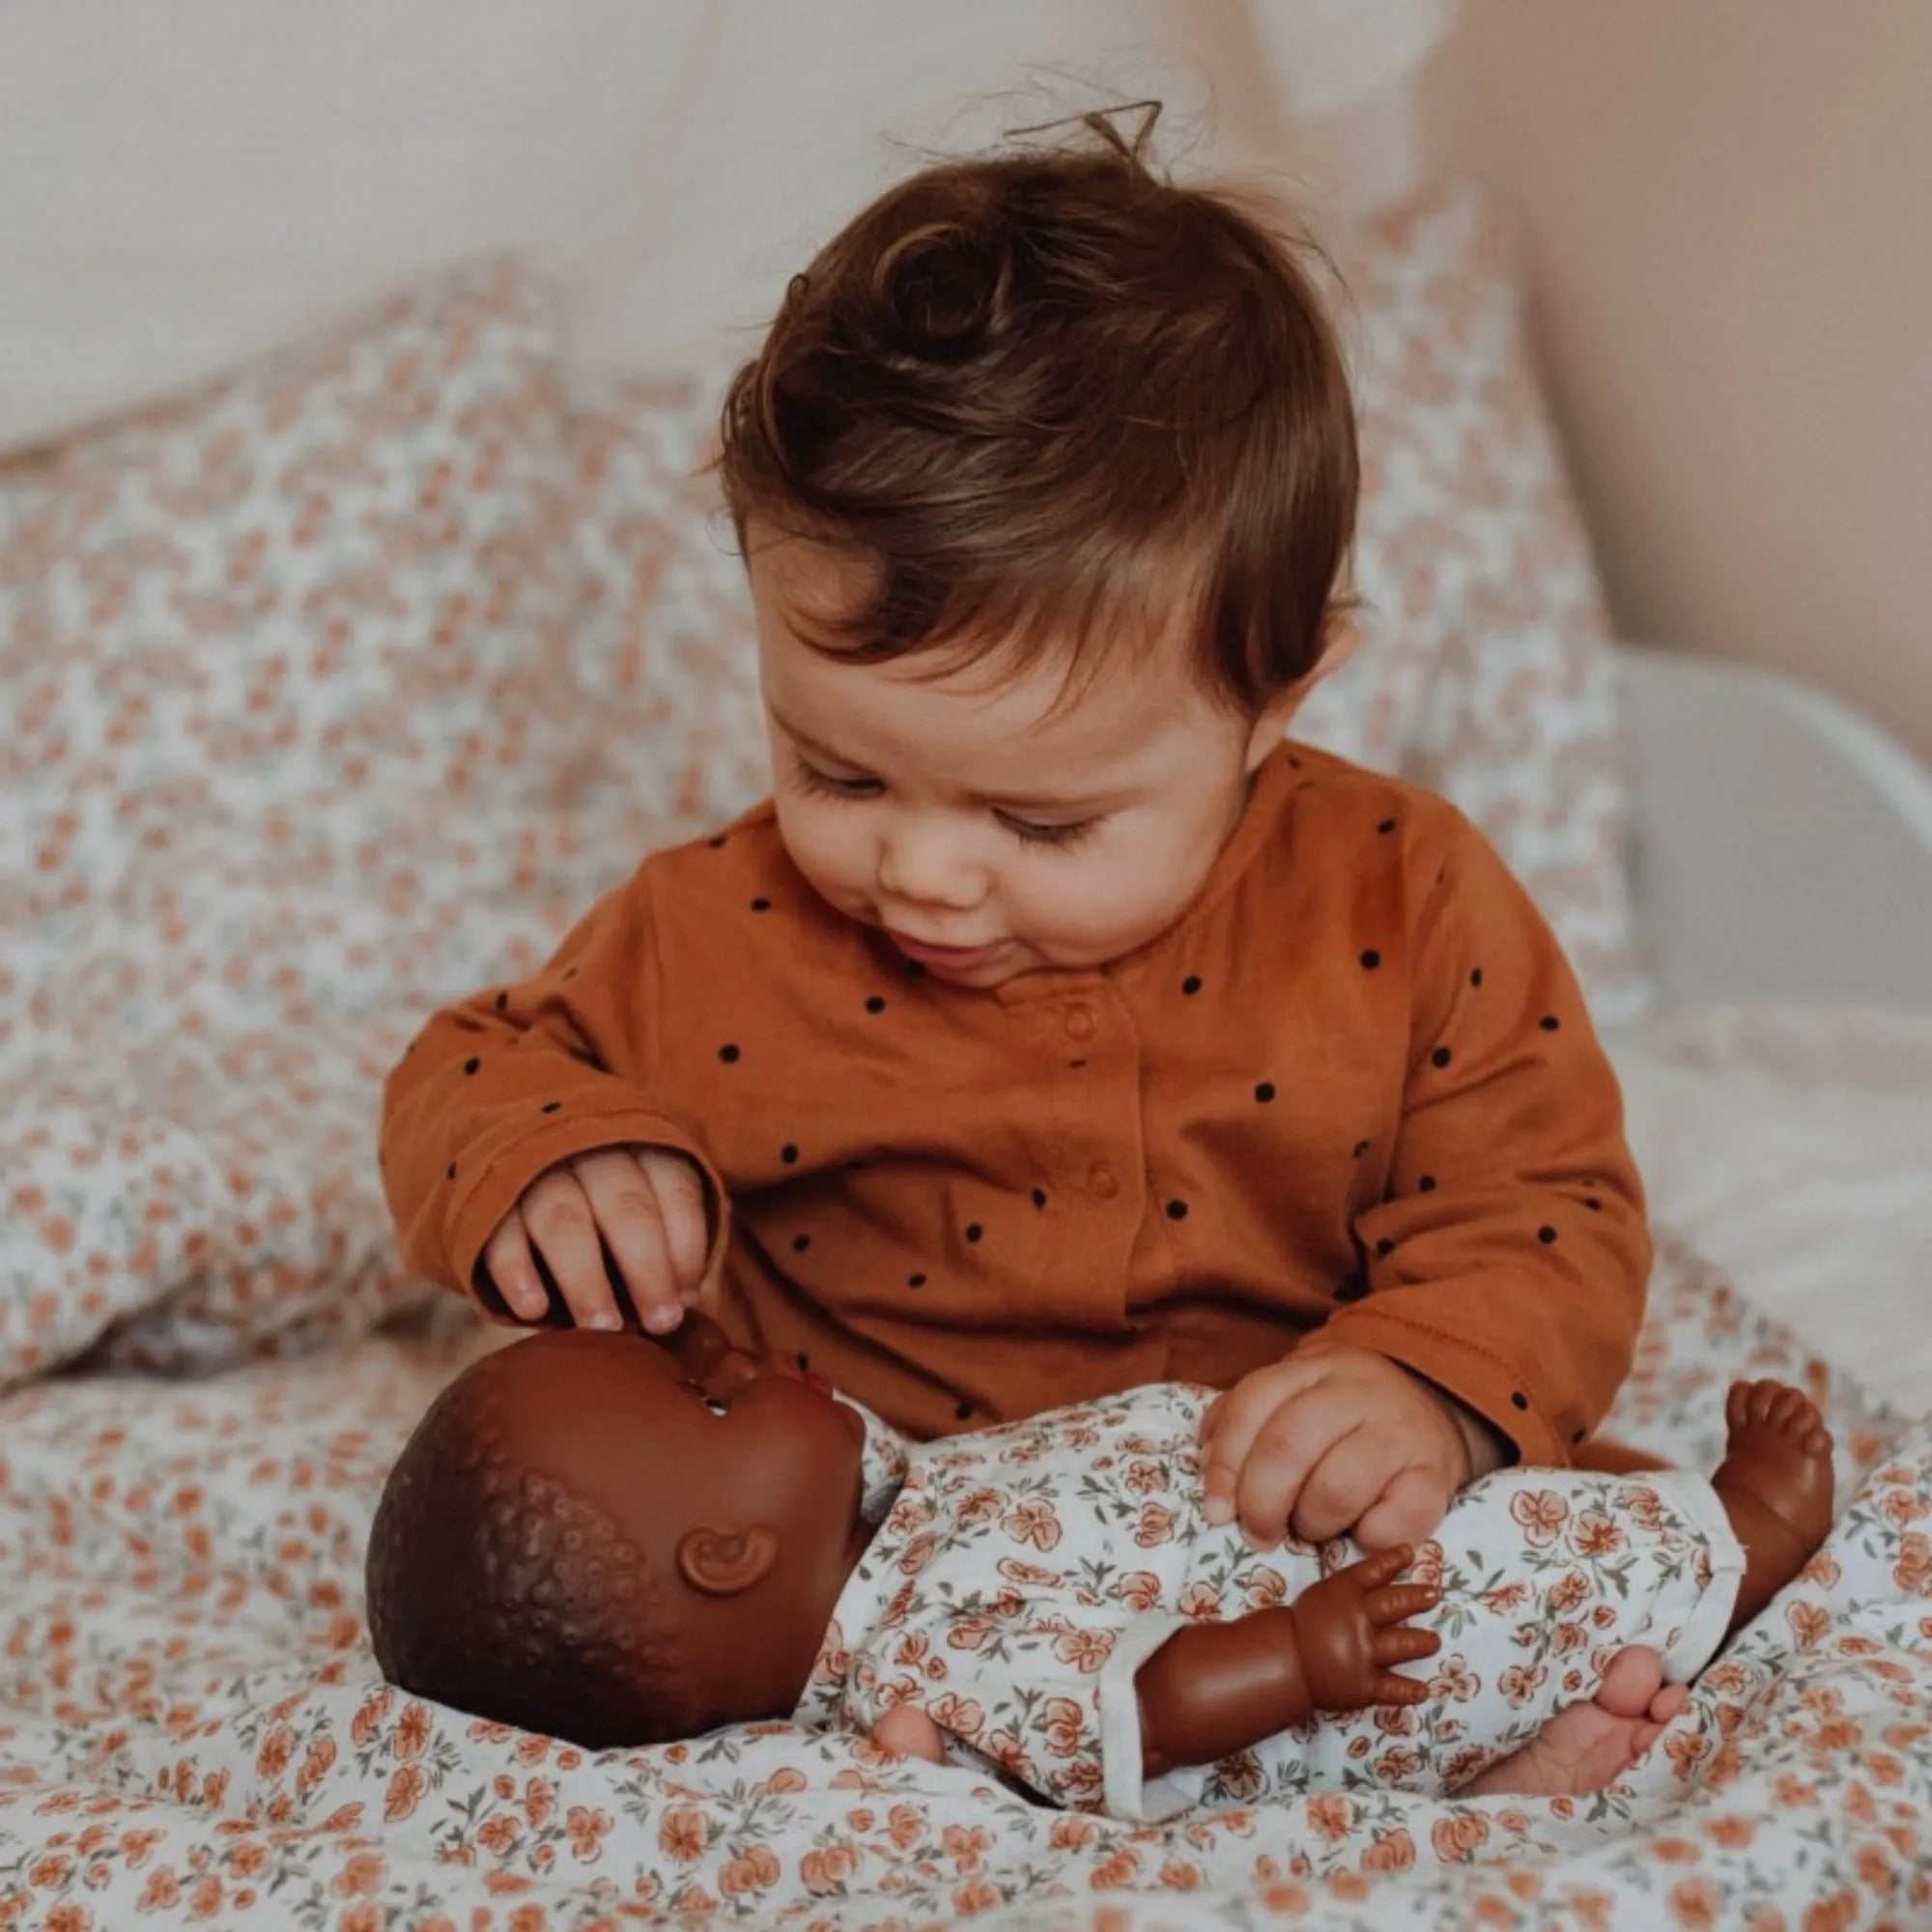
<point>513,1268</point>
<point>1294,1443</point>
<point>1410,1507</point>
<point>680,1188</point>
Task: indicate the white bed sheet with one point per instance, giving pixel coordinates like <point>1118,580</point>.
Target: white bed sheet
<point>1792,1145</point>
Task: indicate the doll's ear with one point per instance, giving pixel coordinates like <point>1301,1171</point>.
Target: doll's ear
<point>726,1562</point>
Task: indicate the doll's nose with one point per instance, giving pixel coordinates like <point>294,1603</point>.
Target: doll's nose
<point>709,1357</point>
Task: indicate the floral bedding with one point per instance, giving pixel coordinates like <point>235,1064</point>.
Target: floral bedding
<point>193,1730</point>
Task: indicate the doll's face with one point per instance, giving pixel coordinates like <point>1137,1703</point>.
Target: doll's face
<point>739,1488</point>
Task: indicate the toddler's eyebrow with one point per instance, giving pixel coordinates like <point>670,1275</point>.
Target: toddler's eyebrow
<point>1039,801</point>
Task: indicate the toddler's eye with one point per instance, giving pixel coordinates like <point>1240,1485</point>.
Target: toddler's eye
<point>1031,834</point>
<point>822,784</point>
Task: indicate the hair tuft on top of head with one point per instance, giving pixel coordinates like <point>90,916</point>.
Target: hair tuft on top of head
<point>1058,406</point>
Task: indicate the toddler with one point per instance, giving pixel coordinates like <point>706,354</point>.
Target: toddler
<point>592,1538</point>
<point>1059,1025</point>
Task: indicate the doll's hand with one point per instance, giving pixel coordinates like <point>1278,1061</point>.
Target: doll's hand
<point>647,1206</point>
<point>1334,1440</point>
<point>1345,1626</point>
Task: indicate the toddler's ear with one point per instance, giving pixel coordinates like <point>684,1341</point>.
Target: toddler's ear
<point>725,1562</point>
<point>1340,641</point>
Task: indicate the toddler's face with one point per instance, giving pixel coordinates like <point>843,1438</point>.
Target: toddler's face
<point>986,832</point>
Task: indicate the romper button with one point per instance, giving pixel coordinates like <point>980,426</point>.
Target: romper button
<point>1080,1022</point>
<point>1100,1178</point>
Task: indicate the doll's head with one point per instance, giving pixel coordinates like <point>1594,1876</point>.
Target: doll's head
<point>586,1538</point>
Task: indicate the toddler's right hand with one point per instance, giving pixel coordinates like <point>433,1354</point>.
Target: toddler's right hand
<point>647,1206</point>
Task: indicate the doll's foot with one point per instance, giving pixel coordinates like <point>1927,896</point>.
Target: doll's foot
<point>1589,1745</point>
<point>1775,1484</point>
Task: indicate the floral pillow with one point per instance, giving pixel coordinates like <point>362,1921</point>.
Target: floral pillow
<point>257,641</point>
<point>287,738</point>
<point>1487,672</point>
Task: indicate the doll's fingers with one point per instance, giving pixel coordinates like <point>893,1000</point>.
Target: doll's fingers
<point>1393,1689</point>
<point>1394,1602</point>
<point>680,1193</point>
<point>563,1226</point>
<point>1373,1572</point>
<point>514,1271</point>
<point>1404,1646</point>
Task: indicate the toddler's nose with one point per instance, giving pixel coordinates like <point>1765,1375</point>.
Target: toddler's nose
<point>925,868</point>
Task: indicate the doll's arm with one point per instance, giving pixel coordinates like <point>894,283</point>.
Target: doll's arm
<point>1218,1687</point>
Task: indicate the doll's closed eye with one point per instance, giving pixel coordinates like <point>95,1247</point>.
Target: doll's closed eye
<point>710,1402</point>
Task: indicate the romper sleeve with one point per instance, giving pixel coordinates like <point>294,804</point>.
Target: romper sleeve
<point>1509,1259</point>
<point>1044,1691</point>
<point>499,1087</point>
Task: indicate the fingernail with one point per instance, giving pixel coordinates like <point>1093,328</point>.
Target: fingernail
<point>661,1319</point>
<point>607,1318</point>
<point>1218,1510</point>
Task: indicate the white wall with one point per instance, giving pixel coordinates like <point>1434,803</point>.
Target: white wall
<point>1729,214</point>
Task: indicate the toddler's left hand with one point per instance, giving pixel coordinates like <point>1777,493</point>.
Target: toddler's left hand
<point>1339,1439</point>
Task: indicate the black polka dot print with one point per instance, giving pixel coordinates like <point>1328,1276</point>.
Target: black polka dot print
<point>1039,1197</point>
<point>1384,1248</point>
<point>1575,1436</point>
<point>449,1173</point>
<point>1370,959</point>
<point>1191,984</point>
<point>800,1242</point>
<point>963,1413</point>
<point>1476,976</point>
<point>761,905</point>
<point>875,1005</point>
<point>788,1154</point>
<point>1360,1148</point>
<point>1550,1023</point>
<point>716,842</point>
<point>1546,1234</point>
<point>471,1066</point>
<point>1427,1184</point>
<point>1387,826</point>
<point>1177,1210</point>
<point>915,1281</point>
<point>1441,1057</point>
<point>501,1001</point>
<point>729,1054</point>
<point>1595,1205</point>
<point>804,1361</point>
<point>974,1230</point>
<point>1264,1093</point>
<point>553,1106</point>
<point>1518,1400</point>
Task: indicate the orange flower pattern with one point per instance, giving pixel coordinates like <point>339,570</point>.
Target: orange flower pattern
<point>1041,1661</point>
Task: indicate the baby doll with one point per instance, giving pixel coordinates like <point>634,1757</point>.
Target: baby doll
<point>592,1536</point>
<point>1058,1025</point>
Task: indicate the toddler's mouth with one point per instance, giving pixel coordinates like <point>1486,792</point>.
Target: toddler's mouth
<point>955,958</point>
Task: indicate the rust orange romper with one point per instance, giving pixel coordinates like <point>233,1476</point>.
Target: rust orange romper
<point>1352,1096</point>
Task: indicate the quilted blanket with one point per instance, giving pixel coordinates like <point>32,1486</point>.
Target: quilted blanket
<point>192,1728</point>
